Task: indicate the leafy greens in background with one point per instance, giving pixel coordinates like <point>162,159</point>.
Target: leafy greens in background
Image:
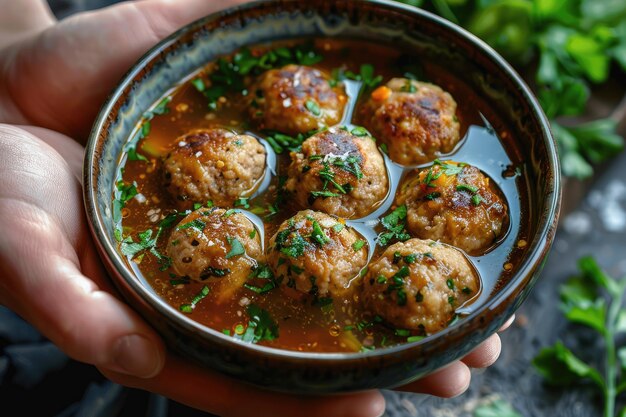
<point>594,300</point>
<point>573,44</point>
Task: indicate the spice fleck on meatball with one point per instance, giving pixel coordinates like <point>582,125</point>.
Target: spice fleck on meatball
<point>316,254</point>
<point>213,164</point>
<point>338,173</point>
<point>295,99</point>
<point>416,120</point>
<point>418,285</point>
<point>456,204</point>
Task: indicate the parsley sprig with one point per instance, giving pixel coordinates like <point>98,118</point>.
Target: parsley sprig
<point>261,326</point>
<point>593,300</point>
<point>573,44</point>
<point>394,224</point>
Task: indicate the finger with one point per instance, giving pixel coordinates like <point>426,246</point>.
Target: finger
<point>224,396</point>
<point>507,324</point>
<point>40,272</point>
<point>72,66</point>
<point>449,382</point>
<point>20,19</point>
<point>69,150</point>
<point>485,354</point>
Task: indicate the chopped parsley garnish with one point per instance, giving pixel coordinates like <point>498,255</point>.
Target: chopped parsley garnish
<point>214,272</point>
<point>252,234</point>
<point>450,283</point>
<point>432,196</point>
<point>394,224</point>
<point>194,224</point>
<point>229,213</point>
<point>466,290</point>
<point>313,107</point>
<point>261,326</point>
<point>338,227</point>
<point>365,75</point>
<point>242,202</point>
<point>358,245</point>
<point>476,199</point>
<point>281,142</point>
<point>318,235</point>
<point>263,274</point>
<point>414,338</point>
<point>402,332</point>
<point>408,87</point>
<point>324,193</point>
<point>409,259</point>
<point>146,243</point>
<point>188,308</point>
<point>359,131</point>
<point>450,169</point>
<point>397,285</point>
<point>126,191</point>
<point>381,279</point>
<point>236,248</point>
<point>466,187</point>
<point>295,247</point>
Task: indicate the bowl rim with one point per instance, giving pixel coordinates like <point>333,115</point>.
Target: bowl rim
<point>542,237</point>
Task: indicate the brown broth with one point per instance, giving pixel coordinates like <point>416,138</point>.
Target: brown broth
<point>303,326</point>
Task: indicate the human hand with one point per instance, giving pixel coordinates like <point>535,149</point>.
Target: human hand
<point>54,278</point>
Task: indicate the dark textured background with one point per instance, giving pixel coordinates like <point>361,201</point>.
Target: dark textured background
<point>39,380</point>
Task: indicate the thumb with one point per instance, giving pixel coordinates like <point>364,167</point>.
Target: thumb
<point>43,283</point>
<point>71,67</point>
<point>45,280</point>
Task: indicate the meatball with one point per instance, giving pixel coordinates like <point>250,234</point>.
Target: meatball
<point>416,120</point>
<point>316,254</point>
<point>454,203</point>
<point>418,284</point>
<point>338,173</point>
<point>215,245</point>
<point>213,164</point>
<point>295,99</point>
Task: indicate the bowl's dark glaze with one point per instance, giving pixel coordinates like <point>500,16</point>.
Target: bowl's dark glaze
<point>189,49</point>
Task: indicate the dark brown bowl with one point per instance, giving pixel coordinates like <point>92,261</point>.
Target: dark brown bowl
<point>189,49</point>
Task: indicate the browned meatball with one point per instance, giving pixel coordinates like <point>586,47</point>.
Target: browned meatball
<point>217,246</point>
<point>213,164</point>
<point>295,99</point>
<point>416,120</point>
<point>418,284</point>
<point>316,254</point>
<point>338,173</point>
<point>455,203</point>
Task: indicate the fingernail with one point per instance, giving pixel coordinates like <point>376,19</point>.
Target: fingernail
<point>136,355</point>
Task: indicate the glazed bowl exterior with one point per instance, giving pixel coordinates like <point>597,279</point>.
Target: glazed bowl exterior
<point>192,47</point>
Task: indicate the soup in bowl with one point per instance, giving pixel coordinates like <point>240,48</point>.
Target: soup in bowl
<point>317,197</point>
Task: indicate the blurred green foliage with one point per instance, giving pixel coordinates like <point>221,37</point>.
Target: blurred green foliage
<point>570,45</point>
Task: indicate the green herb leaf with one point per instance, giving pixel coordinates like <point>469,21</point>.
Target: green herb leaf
<point>313,107</point>
<point>318,235</point>
<point>236,248</point>
<point>559,366</point>
<point>358,245</point>
<point>261,326</point>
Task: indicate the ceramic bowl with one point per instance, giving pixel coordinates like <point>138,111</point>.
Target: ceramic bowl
<point>189,49</point>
